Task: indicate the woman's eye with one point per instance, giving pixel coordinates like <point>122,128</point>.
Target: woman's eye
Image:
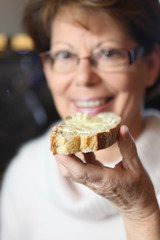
<point>63,55</point>
<point>106,53</point>
<point>111,53</point>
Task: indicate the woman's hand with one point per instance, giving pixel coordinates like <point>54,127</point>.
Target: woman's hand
<point>127,185</point>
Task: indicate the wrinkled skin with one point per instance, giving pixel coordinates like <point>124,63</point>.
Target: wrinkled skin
<point>127,185</point>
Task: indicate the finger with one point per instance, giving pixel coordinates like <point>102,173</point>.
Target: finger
<point>128,149</point>
<point>72,164</point>
<point>62,169</point>
<point>90,158</point>
<point>80,172</point>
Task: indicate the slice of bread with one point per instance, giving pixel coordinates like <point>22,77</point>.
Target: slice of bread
<point>84,133</point>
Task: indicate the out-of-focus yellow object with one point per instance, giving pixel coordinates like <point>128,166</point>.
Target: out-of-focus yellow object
<point>21,42</point>
<point>3,42</point>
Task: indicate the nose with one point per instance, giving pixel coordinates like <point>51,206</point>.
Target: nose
<point>85,74</point>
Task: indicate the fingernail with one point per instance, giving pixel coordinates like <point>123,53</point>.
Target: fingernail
<point>124,130</point>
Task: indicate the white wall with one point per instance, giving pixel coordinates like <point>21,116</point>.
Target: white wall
<point>11,16</point>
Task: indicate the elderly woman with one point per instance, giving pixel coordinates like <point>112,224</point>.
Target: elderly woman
<point>97,56</point>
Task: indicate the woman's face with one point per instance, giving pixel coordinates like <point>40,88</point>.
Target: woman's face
<point>87,89</point>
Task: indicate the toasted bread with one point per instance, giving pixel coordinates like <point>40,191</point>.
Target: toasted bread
<point>84,133</point>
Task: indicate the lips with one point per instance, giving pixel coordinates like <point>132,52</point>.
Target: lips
<point>93,106</point>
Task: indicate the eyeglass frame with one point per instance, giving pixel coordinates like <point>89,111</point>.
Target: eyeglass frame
<point>134,54</point>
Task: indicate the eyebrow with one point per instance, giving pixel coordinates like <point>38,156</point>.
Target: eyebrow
<point>111,40</point>
<point>64,43</point>
<point>97,46</point>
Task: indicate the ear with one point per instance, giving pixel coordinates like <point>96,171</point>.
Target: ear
<point>153,66</point>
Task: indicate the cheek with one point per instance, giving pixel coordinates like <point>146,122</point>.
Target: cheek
<point>129,90</point>
<point>59,85</point>
<point>127,82</point>
<point>123,82</point>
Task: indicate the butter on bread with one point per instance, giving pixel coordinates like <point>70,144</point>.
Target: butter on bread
<point>84,133</point>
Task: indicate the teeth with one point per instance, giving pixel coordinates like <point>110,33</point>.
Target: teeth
<point>90,103</point>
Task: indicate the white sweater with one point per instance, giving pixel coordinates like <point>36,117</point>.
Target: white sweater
<point>37,203</point>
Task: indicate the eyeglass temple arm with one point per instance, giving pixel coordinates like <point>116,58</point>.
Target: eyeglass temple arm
<point>135,53</point>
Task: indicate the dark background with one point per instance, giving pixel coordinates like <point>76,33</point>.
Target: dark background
<point>26,105</point>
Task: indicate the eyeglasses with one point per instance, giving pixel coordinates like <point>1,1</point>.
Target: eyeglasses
<point>107,60</point>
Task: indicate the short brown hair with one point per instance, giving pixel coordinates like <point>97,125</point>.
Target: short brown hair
<point>142,18</point>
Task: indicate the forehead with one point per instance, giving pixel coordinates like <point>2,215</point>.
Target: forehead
<point>86,17</point>
<point>88,25</point>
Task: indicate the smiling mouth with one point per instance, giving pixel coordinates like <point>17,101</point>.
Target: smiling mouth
<point>93,103</point>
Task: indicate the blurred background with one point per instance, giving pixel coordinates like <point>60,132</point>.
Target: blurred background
<point>26,106</point>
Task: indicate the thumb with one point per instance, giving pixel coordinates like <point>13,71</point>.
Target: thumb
<point>128,149</point>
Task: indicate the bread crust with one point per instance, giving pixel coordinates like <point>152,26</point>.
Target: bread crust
<point>70,144</point>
